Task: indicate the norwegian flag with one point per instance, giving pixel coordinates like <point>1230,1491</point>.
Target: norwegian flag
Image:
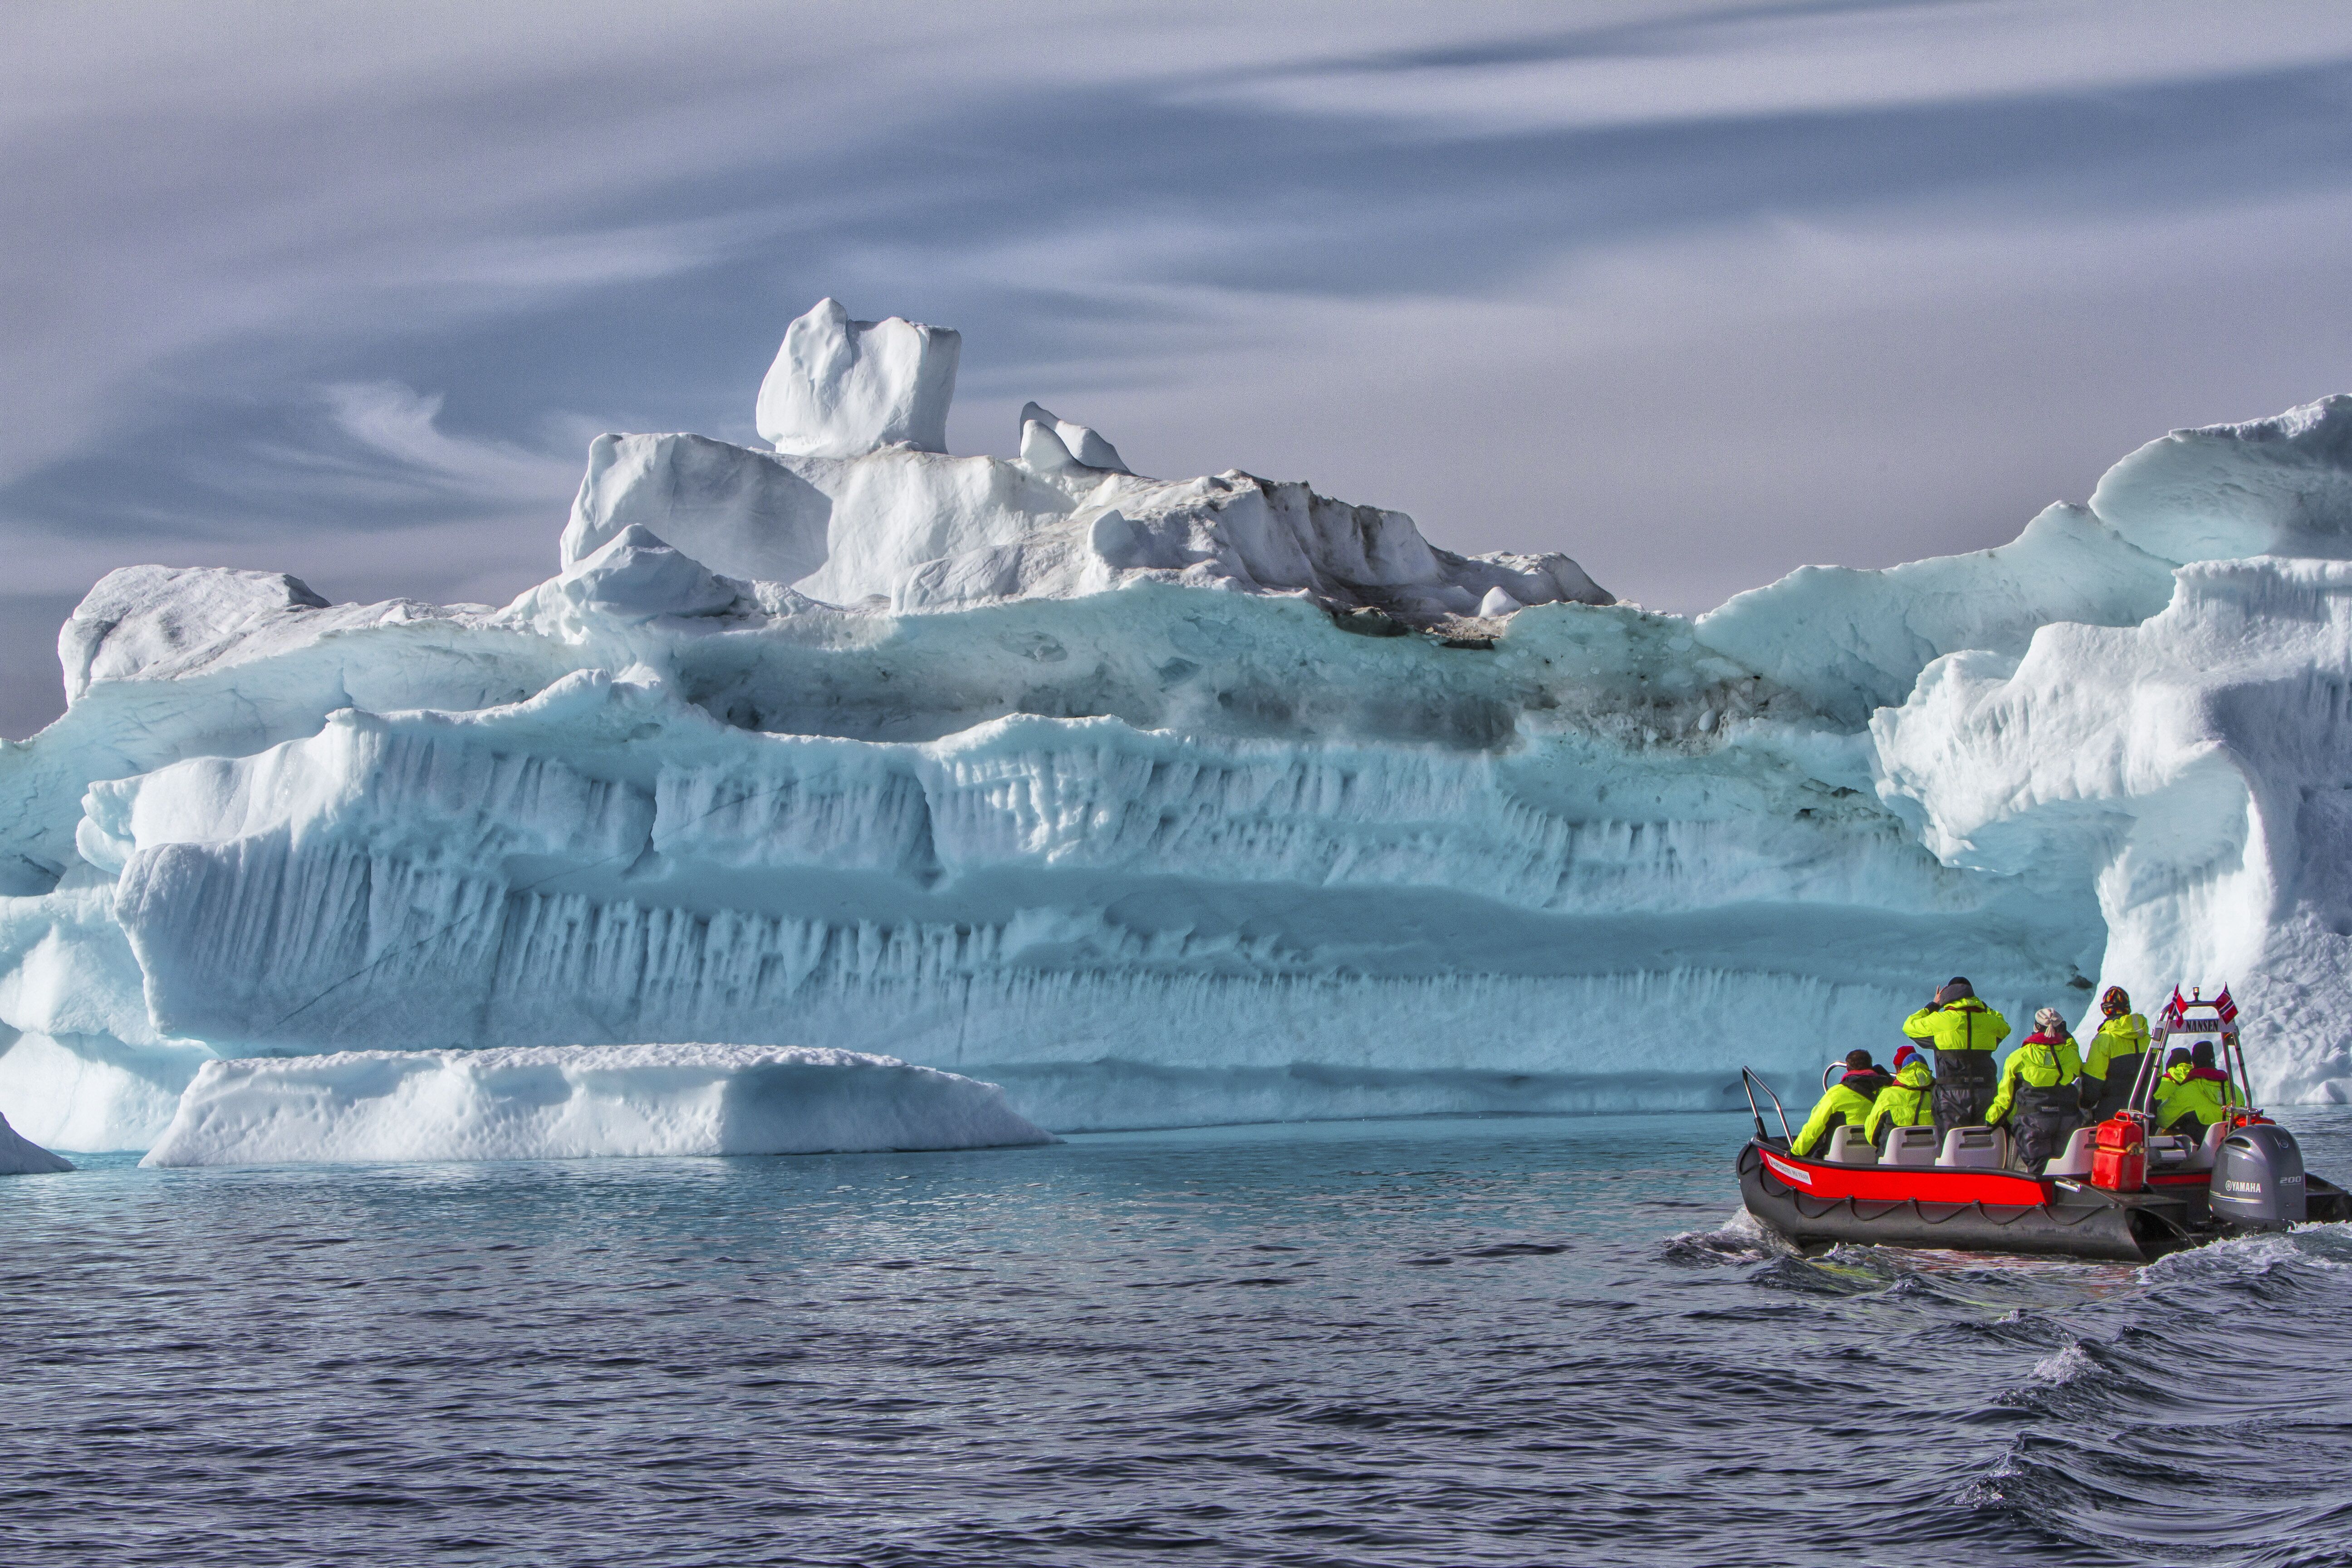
<point>2173,1009</point>
<point>2229,1009</point>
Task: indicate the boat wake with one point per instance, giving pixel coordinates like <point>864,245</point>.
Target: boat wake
<point>1740,1238</point>
<point>2195,1415</point>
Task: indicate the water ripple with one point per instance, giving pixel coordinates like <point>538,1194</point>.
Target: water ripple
<point>1402,1343</point>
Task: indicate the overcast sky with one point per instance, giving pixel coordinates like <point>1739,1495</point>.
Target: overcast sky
<point>1696,292</point>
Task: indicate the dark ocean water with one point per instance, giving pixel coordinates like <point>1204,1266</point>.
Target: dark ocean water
<point>1425,1343</point>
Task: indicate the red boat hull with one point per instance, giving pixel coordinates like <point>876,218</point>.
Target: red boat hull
<point>1900,1183</point>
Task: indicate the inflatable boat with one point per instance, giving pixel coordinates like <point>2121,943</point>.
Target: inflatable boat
<point>2121,1189</point>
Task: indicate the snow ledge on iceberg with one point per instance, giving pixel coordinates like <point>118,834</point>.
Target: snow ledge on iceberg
<point>542,1102</point>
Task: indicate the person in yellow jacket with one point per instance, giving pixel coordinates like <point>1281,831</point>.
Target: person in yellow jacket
<point>1846,1104</point>
<point>2046,1061</point>
<point>1905,1101</point>
<point>2193,1094</point>
<point>2112,1066</point>
<point>2038,1095</point>
<point>1963,1032</point>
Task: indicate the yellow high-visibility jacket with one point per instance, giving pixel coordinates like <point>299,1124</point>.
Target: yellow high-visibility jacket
<point>1967,1025</point>
<point>1841,1106</point>
<point>2043,1063</point>
<point>1904,1102</point>
<point>2205,1093</point>
<point>2124,1036</point>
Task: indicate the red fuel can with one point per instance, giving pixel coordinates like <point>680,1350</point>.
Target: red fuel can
<point>2119,1157</point>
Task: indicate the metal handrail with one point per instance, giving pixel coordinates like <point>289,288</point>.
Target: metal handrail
<point>2235,1052</point>
<point>2143,1094</point>
<point>2151,1070</point>
<point>1751,1083</point>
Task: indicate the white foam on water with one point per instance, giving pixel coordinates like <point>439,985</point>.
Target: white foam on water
<point>2064,1365</point>
<point>1742,1237</point>
<point>2245,1257</point>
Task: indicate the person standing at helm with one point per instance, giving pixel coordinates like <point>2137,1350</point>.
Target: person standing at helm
<point>1963,1031</point>
<point>2038,1094</point>
<point>1904,1102</point>
<point>2117,1051</point>
<point>1847,1103</point>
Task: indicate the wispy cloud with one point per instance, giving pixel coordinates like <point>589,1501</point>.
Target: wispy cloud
<point>1694,291</point>
<point>397,423</point>
<point>1737,62</point>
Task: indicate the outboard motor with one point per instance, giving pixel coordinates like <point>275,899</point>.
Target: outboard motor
<point>2258,1179</point>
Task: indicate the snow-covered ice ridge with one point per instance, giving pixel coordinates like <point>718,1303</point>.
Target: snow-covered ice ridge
<point>547,1102</point>
<point>1093,785</point>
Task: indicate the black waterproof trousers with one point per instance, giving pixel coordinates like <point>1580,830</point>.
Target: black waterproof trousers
<point>1965,1083</point>
<point>2040,1120</point>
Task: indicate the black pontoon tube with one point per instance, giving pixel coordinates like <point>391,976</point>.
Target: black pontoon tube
<point>2080,1222</point>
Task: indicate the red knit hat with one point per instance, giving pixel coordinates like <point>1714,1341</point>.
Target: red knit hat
<point>1905,1055</point>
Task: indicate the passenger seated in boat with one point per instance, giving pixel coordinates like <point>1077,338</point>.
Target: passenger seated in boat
<point>1847,1103</point>
<point>2177,1063</point>
<point>1906,1103</point>
<point>2038,1094</point>
<point>2193,1094</point>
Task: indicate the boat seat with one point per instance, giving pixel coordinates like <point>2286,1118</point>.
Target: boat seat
<point>2074,1159</point>
<point>1909,1146</point>
<point>1974,1148</point>
<point>2167,1149</point>
<point>1850,1146</point>
<point>2202,1157</point>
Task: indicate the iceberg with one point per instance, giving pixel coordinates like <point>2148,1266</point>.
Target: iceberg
<point>22,1157</point>
<point>564,1103</point>
<point>1161,801</point>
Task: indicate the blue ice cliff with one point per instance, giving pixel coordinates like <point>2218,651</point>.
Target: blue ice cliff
<point>1180,801</point>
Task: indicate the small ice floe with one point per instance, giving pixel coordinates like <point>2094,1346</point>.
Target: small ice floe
<point>532,1102</point>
